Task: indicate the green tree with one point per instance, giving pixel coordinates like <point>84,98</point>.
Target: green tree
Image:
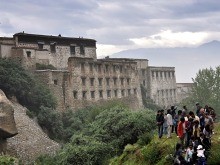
<point>206,89</point>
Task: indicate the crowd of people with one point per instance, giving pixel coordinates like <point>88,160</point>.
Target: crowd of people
<point>194,131</point>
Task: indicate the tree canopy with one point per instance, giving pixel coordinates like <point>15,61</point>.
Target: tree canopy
<point>206,89</point>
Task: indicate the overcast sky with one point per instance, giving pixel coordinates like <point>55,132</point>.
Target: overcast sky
<point>116,24</point>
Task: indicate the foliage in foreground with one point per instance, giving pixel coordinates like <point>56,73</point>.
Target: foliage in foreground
<point>160,151</point>
<point>7,160</point>
<point>106,136</point>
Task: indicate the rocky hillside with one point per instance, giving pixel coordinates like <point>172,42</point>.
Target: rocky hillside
<point>31,141</point>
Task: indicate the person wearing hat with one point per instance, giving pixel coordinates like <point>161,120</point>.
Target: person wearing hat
<point>201,155</point>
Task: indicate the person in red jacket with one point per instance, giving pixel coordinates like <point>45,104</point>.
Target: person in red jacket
<point>181,130</point>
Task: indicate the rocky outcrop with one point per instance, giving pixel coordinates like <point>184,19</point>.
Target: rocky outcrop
<point>31,141</point>
<point>7,123</point>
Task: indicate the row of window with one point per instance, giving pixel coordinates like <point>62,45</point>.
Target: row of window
<point>166,92</point>
<point>106,68</point>
<point>53,48</point>
<point>109,93</point>
<point>107,81</point>
<point>165,74</point>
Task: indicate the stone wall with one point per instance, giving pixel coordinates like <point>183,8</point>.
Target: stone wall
<point>183,90</point>
<point>103,79</point>
<point>162,85</point>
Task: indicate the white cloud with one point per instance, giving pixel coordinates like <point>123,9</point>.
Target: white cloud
<point>167,38</point>
<point>105,50</point>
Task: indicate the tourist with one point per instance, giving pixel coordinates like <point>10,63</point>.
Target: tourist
<point>181,131</point>
<point>160,121</point>
<point>169,123</point>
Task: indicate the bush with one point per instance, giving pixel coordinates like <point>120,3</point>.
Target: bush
<point>151,153</point>
<point>51,120</point>
<point>15,81</point>
<point>7,160</point>
<point>43,67</point>
<point>100,133</point>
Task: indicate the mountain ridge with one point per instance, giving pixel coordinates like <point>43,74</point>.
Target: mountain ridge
<point>186,60</point>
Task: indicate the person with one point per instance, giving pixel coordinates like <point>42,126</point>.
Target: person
<point>173,113</point>
<point>198,107</point>
<point>201,155</point>
<point>204,141</point>
<point>181,130</point>
<point>169,123</point>
<point>160,120</point>
<point>178,153</point>
<point>196,129</point>
<point>189,130</point>
<point>165,124</point>
<point>189,154</point>
<point>185,109</point>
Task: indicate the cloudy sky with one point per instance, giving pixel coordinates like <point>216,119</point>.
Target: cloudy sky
<point>117,24</point>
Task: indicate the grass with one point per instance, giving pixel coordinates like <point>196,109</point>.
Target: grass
<point>160,151</point>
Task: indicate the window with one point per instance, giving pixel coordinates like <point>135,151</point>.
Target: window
<point>173,74</point>
<point>165,74</point>
<point>28,54</point>
<point>169,75</point>
<point>114,68</point>
<point>55,82</point>
<point>108,93</point>
<point>143,72</point>
<point>116,92</point>
<point>82,49</point>
<point>161,74</point>
<point>99,68</point>
<point>156,74</point>
<point>92,94</point>
<point>135,91</point>
<point>152,73</point>
<point>106,68</point>
<point>144,83</point>
<point>91,67</point>
<point>40,45</point>
<point>128,81</point>
<point>122,81</point>
<point>100,94</point>
<point>72,50</point>
<point>83,81</point>
<point>92,81</point>
<point>75,94</point>
<point>107,81</point>
<point>129,92</point>
<point>121,69</point>
<point>122,92</point>
<point>115,81</point>
<point>84,94</point>
<point>100,81</point>
<point>82,67</point>
<point>53,47</point>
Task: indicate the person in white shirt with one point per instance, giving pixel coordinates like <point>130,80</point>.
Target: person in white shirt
<point>169,123</point>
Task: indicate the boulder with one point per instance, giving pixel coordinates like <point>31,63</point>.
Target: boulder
<point>7,123</point>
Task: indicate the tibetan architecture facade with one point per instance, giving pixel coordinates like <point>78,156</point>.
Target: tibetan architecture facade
<point>79,79</point>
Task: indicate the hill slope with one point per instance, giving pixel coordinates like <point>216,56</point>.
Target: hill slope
<point>160,151</point>
<point>31,141</point>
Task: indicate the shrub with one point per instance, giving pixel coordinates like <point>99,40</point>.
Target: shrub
<point>43,67</point>
<point>7,160</point>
